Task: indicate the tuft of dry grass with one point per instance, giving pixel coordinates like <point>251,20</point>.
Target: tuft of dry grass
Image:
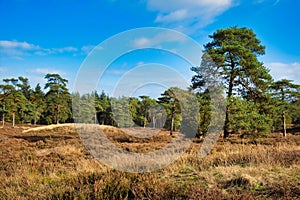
<point>51,162</point>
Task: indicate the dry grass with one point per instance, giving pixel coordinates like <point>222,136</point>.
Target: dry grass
<point>47,128</point>
<point>52,163</point>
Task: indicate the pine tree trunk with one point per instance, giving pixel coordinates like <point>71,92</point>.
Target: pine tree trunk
<point>227,120</point>
<point>3,116</point>
<point>58,109</point>
<point>57,114</point>
<point>172,119</point>
<point>145,120</point>
<point>229,95</point>
<point>172,124</point>
<point>283,123</point>
<point>227,123</point>
<point>13,119</point>
<point>35,120</point>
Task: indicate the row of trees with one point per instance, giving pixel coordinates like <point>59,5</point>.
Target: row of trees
<point>22,104</point>
<point>254,102</point>
<point>19,103</point>
<point>140,111</point>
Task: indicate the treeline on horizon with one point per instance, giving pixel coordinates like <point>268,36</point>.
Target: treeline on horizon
<point>255,103</point>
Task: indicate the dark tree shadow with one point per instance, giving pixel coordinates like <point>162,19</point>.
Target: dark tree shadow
<point>43,138</point>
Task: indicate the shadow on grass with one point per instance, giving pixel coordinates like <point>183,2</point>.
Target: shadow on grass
<point>34,138</point>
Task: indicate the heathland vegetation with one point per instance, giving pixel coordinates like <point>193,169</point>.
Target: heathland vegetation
<point>252,161</point>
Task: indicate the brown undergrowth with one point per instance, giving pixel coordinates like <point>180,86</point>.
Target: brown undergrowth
<point>52,163</point>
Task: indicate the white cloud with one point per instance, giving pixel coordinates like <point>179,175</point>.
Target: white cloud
<point>141,42</point>
<point>172,16</point>
<point>289,71</point>
<point>18,50</point>
<point>88,48</point>
<point>44,71</point>
<point>188,13</point>
<point>6,44</point>
<point>44,51</point>
<point>158,40</point>
<point>64,49</point>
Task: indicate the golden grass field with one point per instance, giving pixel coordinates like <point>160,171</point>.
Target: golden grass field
<point>50,162</point>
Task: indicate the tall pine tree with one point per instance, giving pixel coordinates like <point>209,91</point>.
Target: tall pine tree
<point>232,54</point>
<point>58,99</point>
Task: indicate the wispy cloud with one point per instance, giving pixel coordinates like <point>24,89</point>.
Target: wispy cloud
<point>289,71</point>
<point>88,48</point>
<point>64,49</point>
<point>193,14</point>
<point>44,71</point>
<point>18,50</point>
<point>44,51</point>
<point>158,40</point>
<point>6,44</point>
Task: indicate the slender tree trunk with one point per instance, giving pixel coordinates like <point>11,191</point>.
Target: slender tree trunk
<point>145,119</point>
<point>57,114</point>
<point>13,119</point>
<point>172,124</point>
<point>227,123</point>
<point>283,123</point>
<point>172,119</point>
<point>229,95</point>
<point>57,121</point>
<point>35,118</point>
<point>3,116</point>
<point>58,109</point>
<point>227,120</point>
<point>283,115</point>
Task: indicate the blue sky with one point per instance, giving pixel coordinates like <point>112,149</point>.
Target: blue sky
<point>55,36</point>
